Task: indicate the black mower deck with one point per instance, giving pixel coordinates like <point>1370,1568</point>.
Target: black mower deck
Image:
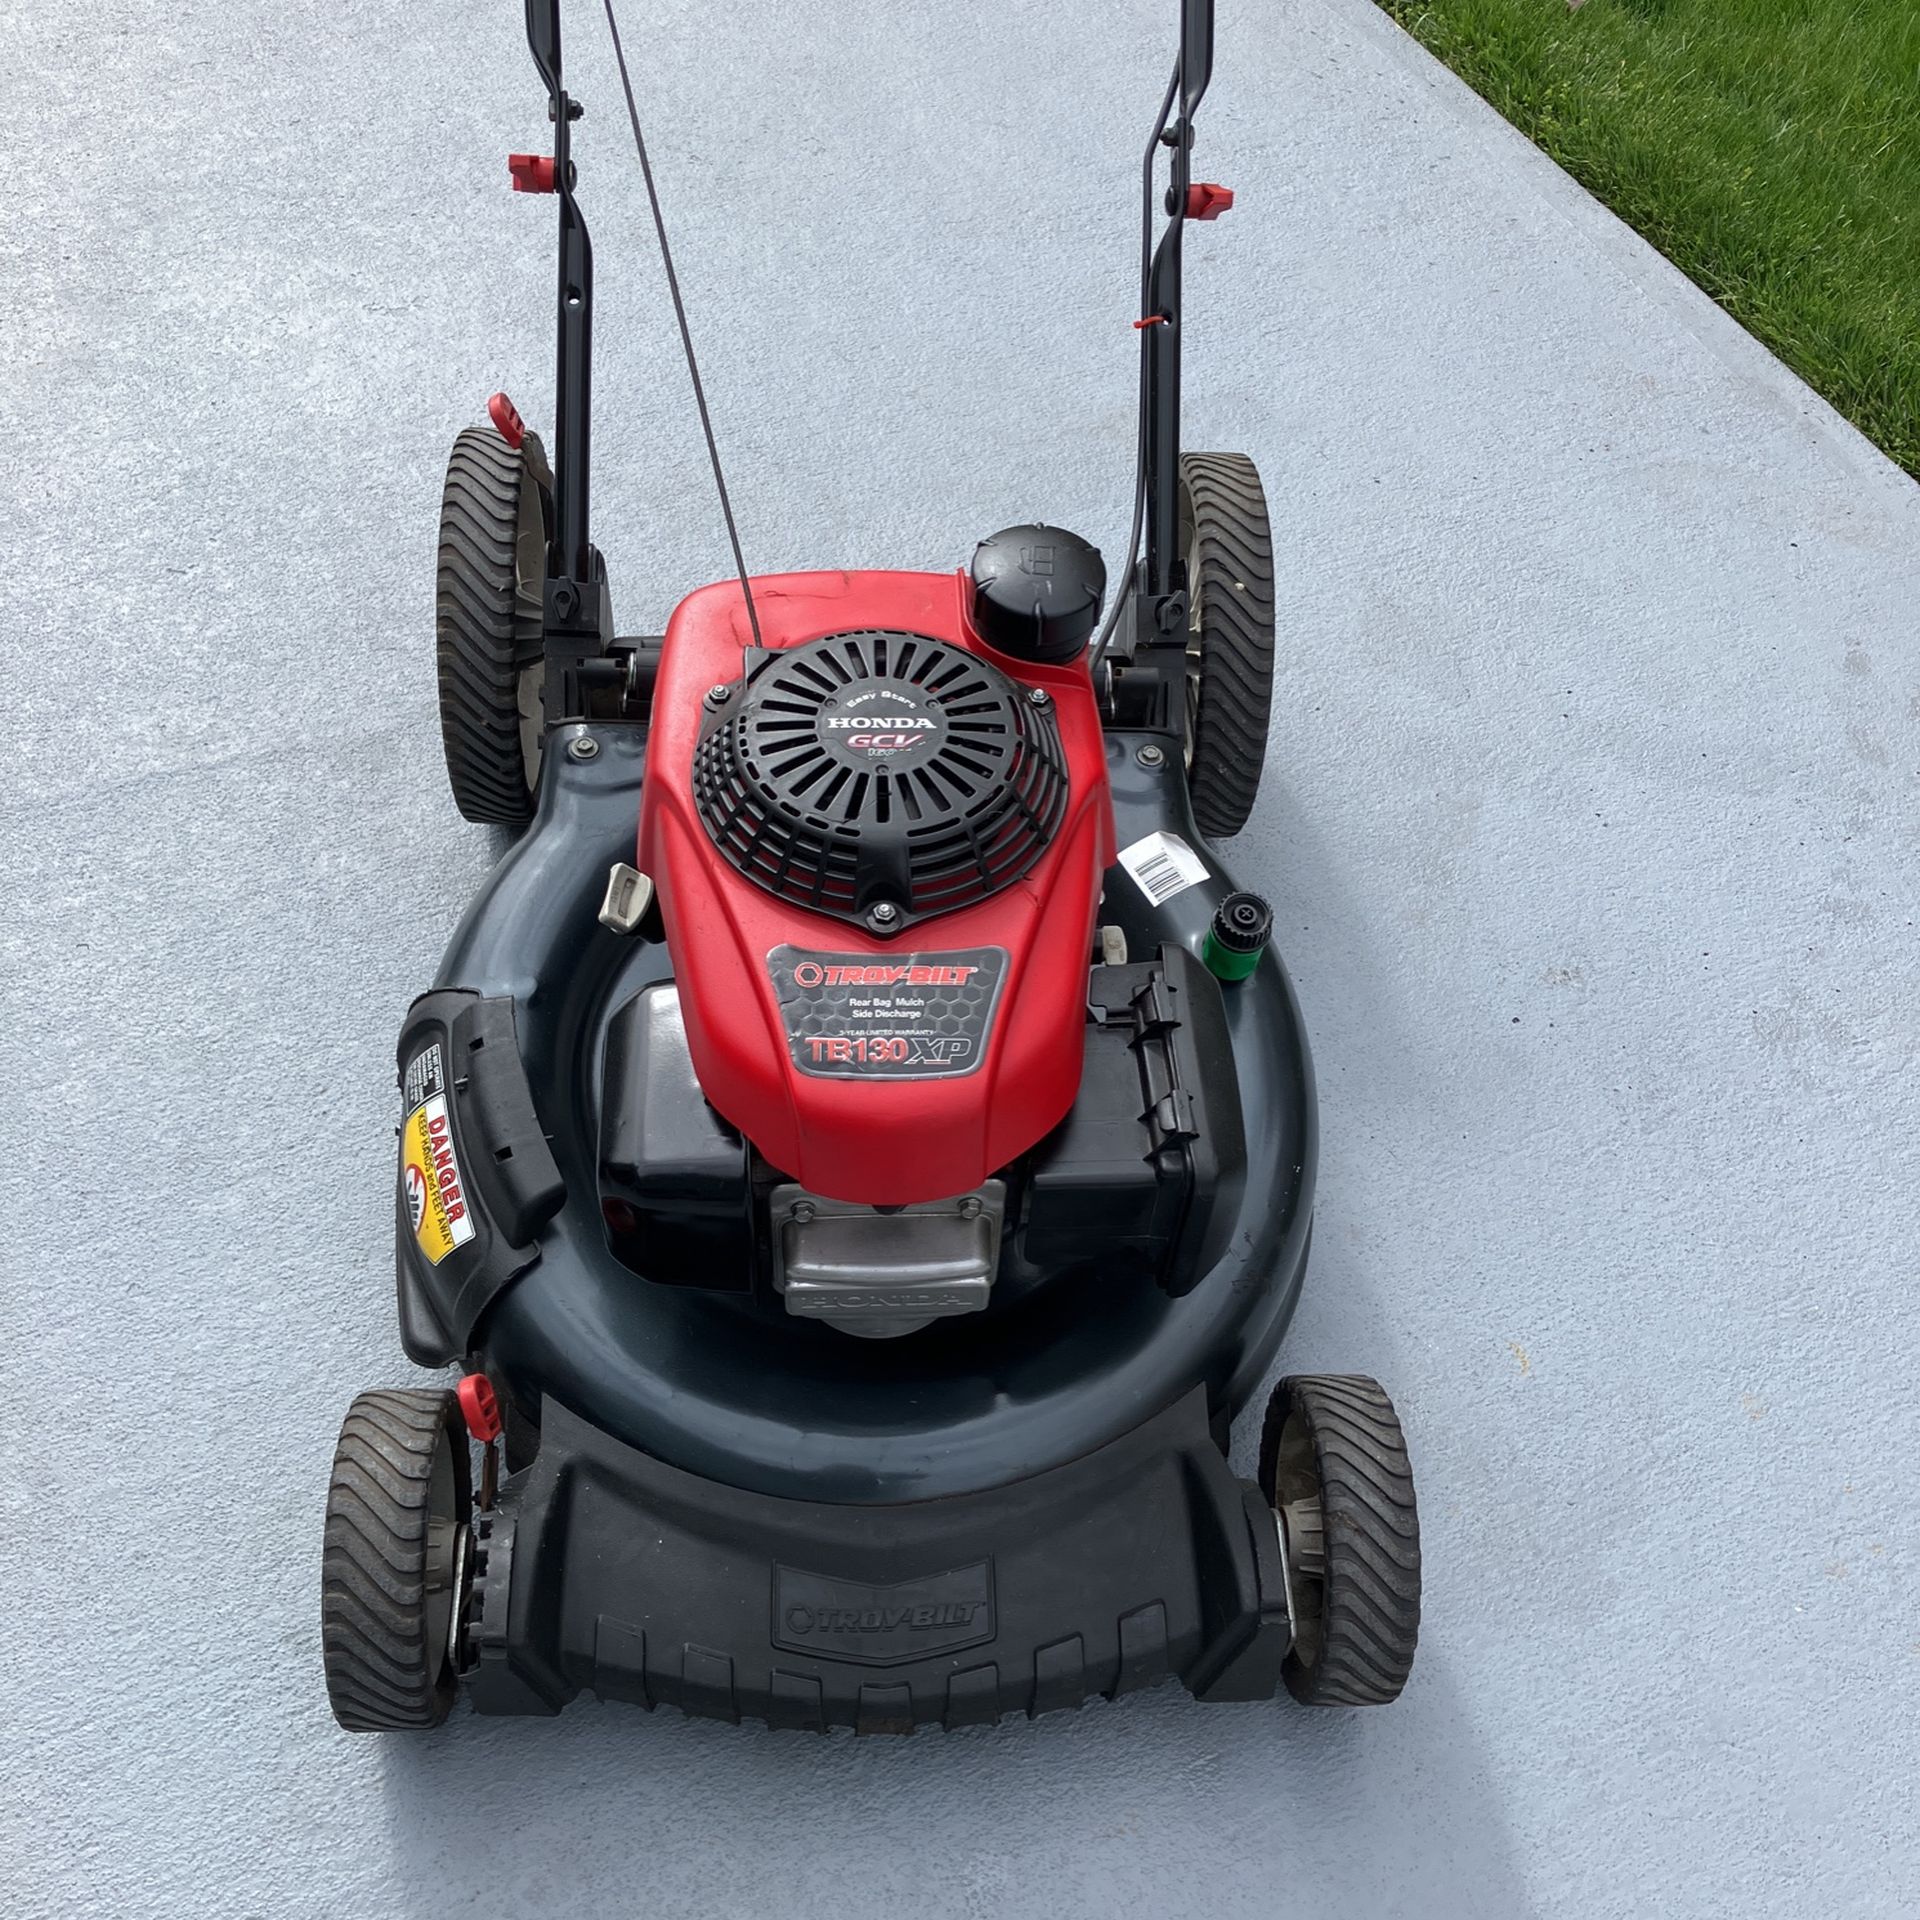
<point>737,1390</point>
<point>603,1569</point>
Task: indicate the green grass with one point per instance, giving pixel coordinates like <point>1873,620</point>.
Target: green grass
<point>1769,148</point>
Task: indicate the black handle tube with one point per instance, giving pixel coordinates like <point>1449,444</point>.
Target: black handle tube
<point>571,561</point>
<point>1160,340</point>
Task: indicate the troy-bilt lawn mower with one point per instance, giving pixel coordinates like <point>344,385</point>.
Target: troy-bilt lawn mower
<point>859,1149</point>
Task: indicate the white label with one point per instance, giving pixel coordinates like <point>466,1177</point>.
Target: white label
<point>1162,865</point>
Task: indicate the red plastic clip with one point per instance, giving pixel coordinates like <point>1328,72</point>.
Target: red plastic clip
<point>1152,320</point>
<point>506,416</point>
<point>479,1408</point>
<point>1208,200</point>
<point>532,172</point>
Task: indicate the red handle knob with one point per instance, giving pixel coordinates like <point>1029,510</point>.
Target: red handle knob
<point>479,1408</point>
<point>1208,200</point>
<point>506,416</point>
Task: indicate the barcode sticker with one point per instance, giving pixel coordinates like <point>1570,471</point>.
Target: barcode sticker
<point>1162,865</point>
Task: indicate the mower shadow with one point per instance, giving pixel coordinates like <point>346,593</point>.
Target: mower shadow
<point>611,1810</point>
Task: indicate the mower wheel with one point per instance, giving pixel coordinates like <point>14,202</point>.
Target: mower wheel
<point>1228,547</point>
<point>487,620</point>
<point>394,1564</point>
<point>1333,1464</point>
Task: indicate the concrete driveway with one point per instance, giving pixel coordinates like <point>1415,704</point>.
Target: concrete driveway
<point>1590,816</point>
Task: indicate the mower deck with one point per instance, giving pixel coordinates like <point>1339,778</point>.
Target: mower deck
<point>733,1388</point>
<point>605,1569</point>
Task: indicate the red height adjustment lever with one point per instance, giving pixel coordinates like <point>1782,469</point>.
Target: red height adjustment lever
<point>479,1407</point>
<point>1208,200</point>
<point>506,416</point>
<point>533,172</point>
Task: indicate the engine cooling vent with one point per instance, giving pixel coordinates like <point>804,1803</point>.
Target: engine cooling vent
<point>881,778</point>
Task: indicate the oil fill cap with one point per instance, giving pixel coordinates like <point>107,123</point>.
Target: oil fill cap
<point>1037,592</point>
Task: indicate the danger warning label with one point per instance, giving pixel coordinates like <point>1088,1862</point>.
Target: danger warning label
<point>910,1016</point>
<point>430,1181</point>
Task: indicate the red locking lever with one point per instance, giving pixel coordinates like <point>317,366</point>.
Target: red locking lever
<point>506,416</point>
<point>1208,200</point>
<point>532,172</point>
<point>479,1407</point>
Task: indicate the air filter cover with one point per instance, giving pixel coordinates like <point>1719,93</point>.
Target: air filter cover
<point>881,777</point>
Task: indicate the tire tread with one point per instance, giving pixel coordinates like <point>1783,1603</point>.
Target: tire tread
<point>381,1674</point>
<point>1234,581</point>
<point>480,642</point>
<point>1371,1607</point>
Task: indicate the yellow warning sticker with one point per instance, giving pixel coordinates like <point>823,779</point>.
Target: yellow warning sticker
<point>429,1171</point>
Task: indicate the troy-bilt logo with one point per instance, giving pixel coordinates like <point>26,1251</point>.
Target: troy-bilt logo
<point>956,1613</point>
<point>882,1625</point>
<point>812,973</point>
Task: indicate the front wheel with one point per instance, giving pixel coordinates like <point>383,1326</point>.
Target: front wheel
<point>394,1568</point>
<point>1333,1465</point>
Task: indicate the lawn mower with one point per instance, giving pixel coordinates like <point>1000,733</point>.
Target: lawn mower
<point>858,1152</point>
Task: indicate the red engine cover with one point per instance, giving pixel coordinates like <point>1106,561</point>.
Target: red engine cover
<point>854,1122</point>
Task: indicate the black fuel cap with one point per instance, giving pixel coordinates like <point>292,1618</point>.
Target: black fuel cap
<point>1037,592</point>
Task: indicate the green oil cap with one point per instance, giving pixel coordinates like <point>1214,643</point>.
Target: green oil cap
<point>1238,937</point>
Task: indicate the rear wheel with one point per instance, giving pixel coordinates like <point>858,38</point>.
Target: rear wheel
<point>1333,1463</point>
<point>393,1569</point>
<point>487,626</point>
<point>1228,546</point>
